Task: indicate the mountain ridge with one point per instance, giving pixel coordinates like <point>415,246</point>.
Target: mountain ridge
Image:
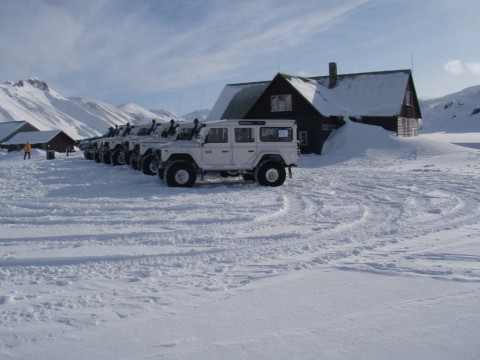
<point>33,100</point>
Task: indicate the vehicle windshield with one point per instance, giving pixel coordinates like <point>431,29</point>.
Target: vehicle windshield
<point>160,128</point>
<point>184,133</point>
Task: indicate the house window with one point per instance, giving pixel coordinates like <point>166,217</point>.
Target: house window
<point>303,138</point>
<point>408,98</point>
<point>281,103</point>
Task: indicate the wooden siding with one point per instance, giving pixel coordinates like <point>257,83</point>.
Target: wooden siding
<point>307,117</point>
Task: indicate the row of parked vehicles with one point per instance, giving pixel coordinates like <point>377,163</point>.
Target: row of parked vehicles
<point>179,153</point>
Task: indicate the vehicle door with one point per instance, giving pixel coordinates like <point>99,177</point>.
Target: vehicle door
<point>244,147</point>
<point>216,148</point>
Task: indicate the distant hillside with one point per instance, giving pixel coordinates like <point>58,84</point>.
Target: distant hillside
<point>34,101</point>
<point>457,112</point>
<point>142,115</point>
<point>198,114</point>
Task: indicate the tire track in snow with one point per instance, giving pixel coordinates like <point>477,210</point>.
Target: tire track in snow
<point>343,217</point>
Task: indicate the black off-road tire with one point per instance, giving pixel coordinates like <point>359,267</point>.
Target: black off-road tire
<point>180,174</point>
<point>105,157</point>
<point>116,158</point>
<point>134,162</point>
<point>161,173</point>
<point>270,173</point>
<point>128,157</point>
<point>96,157</point>
<point>149,165</point>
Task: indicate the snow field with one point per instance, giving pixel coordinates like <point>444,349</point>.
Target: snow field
<point>86,248</point>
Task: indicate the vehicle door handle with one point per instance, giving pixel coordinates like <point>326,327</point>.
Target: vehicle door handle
<point>208,151</point>
<point>251,150</point>
<point>225,151</point>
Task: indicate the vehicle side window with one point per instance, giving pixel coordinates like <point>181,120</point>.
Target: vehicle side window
<point>276,134</point>
<point>217,135</point>
<point>244,135</point>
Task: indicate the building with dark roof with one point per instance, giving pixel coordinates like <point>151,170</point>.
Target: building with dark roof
<point>319,104</point>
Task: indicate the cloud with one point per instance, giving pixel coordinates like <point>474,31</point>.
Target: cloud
<point>456,67</point>
<point>155,46</point>
<point>474,67</point>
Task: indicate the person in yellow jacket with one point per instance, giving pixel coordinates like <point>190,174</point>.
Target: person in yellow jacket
<point>27,151</point>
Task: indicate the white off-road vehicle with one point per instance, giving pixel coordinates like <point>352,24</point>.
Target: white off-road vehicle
<point>258,150</point>
<point>120,153</point>
<point>96,147</point>
<point>143,158</point>
<point>109,145</point>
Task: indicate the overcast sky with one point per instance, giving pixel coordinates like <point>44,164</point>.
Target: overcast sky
<point>178,55</point>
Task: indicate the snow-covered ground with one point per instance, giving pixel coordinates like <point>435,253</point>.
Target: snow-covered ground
<point>371,251</point>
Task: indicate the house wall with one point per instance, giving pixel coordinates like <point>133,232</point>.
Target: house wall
<point>308,119</point>
<point>60,143</point>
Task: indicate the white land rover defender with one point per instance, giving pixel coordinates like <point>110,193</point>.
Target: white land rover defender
<point>123,152</point>
<point>97,148</point>
<point>113,151</point>
<point>143,158</point>
<point>259,150</point>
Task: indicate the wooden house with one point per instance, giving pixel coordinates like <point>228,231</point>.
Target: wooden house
<point>47,140</point>
<point>319,104</point>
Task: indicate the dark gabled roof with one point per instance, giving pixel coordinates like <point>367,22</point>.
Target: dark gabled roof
<point>379,93</point>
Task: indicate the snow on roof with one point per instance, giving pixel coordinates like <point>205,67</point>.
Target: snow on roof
<point>8,128</point>
<point>33,137</point>
<point>368,94</point>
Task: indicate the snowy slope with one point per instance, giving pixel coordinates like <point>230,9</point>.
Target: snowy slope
<point>455,113</point>
<point>142,115</point>
<point>45,109</point>
<point>454,118</point>
<point>371,251</point>
<point>34,101</point>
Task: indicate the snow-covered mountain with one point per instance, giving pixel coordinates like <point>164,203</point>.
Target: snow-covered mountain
<point>34,101</point>
<point>457,112</point>
<point>142,115</point>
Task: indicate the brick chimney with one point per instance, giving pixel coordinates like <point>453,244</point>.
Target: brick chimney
<point>332,75</point>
